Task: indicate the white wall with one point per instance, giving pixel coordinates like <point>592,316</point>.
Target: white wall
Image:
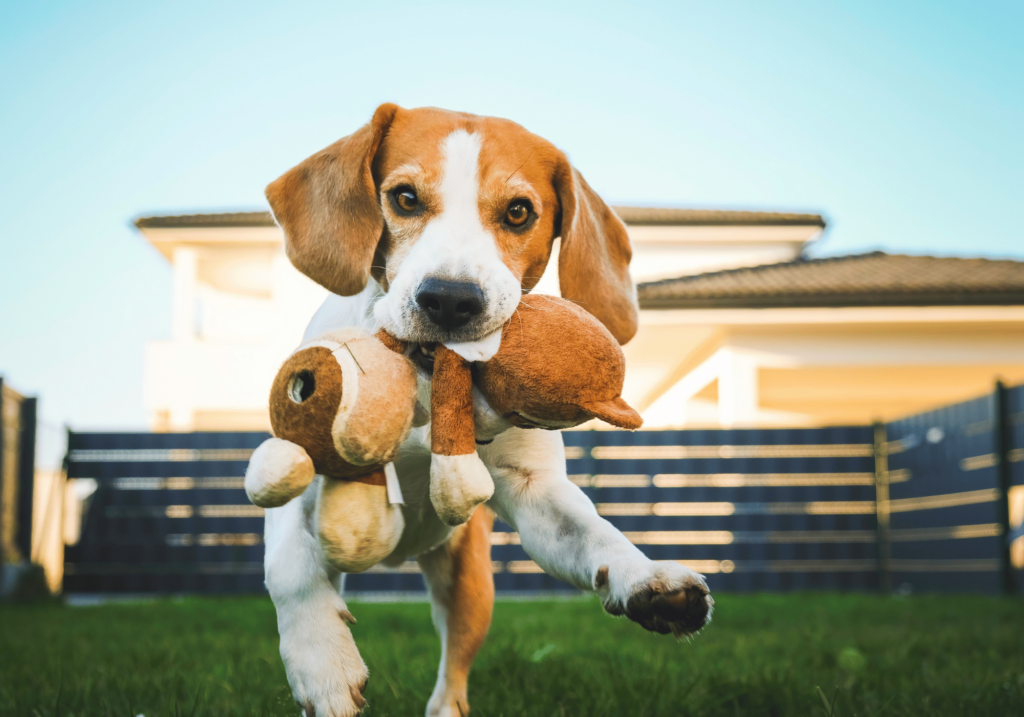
<point>240,308</point>
<point>227,345</point>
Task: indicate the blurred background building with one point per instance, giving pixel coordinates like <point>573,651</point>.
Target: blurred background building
<point>738,328</point>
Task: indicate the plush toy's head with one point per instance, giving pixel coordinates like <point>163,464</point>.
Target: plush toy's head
<point>557,367</point>
<point>345,398</point>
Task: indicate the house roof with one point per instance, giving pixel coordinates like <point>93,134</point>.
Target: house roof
<point>874,279</point>
<point>631,215</point>
<point>713,217</point>
<point>206,221</point>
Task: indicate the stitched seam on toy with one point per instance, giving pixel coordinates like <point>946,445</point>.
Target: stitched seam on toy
<point>331,346</point>
<point>349,393</point>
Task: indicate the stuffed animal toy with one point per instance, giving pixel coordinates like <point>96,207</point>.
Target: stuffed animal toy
<point>556,367</point>
<point>340,407</point>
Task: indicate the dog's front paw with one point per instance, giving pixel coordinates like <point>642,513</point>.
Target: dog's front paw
<point>445,705</point>
<point>324,669</point>
<point>663,597</point>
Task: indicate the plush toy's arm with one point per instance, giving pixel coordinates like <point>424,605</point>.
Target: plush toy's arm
<point>459,481</point>
<point>451,405</point>
<point>278,471</point>
<point>393,343</point>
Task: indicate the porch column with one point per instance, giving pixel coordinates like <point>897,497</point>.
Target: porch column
<point>737,389</point>
<point>186,261</point>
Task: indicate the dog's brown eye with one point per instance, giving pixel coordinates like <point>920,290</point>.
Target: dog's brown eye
<point>406,199</point>
<point>517,213</point>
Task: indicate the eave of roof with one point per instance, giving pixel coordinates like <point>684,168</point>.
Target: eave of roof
<point>666,216</point>
<point>206,221</point>
<point>842,301</point>
<point>636,216</point>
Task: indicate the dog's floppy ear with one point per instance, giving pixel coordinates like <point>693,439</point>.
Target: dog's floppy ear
<point>593,261</point>
<point>329,210</point>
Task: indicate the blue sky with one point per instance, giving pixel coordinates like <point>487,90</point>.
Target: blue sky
<point>899,121</point>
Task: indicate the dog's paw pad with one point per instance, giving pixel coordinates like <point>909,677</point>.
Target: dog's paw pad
<point>356,691</point>
<point>682,611</point>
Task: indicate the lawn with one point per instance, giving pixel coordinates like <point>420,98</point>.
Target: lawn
<point>762,655</point>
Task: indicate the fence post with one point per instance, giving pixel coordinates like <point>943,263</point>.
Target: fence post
<point>26,477</point>
<point>883,543</point>
<point>1001,441</point>
<point>4,515</point>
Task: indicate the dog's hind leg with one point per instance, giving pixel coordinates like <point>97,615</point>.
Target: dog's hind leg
<point>461,583</point>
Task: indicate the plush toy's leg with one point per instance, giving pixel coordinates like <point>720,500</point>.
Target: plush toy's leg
<point>278,471</point>
<point>459,481</point>
<point>357,525</point>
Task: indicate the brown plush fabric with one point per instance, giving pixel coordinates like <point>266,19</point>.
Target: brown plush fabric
<point>374,477</point>
<point>395,344</point>
<point>385,402</point>
<point>451,405</point>
<point>557,365</point>
<point>308,423</point>
<point>377,424</point>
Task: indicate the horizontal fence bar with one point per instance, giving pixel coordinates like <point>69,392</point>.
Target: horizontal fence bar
<point>695,508</point>
<point>730,480</point>
<point>727,537</point>
<point>160,455</point>
<point>178,483</point>
<point>950,500</point>
<point>183,511</point>
<point>729,451</point>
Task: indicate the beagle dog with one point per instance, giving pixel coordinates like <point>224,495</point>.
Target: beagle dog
<point>432,224</point>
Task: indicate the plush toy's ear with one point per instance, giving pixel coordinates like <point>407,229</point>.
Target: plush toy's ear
<point>616,412</point>
<point>593,261</point>
<point>329,210</point>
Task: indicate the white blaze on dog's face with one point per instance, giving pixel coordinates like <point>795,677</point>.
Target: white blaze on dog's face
<point>440,241</point>
<point>460,222</point>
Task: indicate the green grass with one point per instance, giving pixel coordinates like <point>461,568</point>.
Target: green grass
<point>762,655</point>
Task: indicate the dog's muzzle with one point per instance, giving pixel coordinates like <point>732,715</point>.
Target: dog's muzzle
<point>450,304</point>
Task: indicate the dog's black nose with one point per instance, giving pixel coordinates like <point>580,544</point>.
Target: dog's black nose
<point>450,304</point>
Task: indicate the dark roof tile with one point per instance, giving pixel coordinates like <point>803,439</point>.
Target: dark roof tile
<point>875,279</point>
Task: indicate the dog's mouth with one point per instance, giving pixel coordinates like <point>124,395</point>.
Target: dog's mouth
<point>423,356</point>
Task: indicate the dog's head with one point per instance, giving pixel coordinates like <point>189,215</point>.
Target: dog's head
<point>454,215</point>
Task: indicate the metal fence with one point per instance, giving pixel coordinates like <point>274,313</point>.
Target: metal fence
<point>925,502</point>
<point>17,470</point>
<point>948,521</point>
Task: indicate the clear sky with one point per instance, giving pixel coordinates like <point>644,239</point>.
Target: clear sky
<point>901,122</point>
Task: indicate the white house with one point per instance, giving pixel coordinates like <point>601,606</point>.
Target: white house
<point>840,340</point>
<point>736,327</point>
